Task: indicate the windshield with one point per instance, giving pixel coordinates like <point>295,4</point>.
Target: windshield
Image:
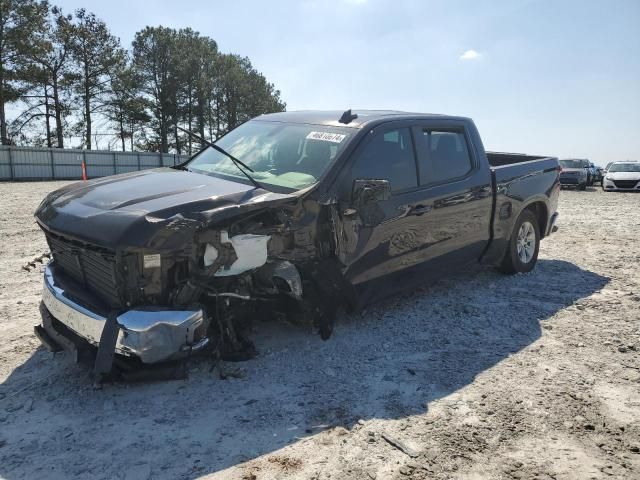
<point>571,163</point>
<point>625,167</point>
<point>287,155</point>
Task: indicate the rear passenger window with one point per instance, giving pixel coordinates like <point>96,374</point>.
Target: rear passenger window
<point>388,156</point>
<point>442,155</point>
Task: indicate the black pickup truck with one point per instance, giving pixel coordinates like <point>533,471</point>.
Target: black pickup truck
<point>292,214</point>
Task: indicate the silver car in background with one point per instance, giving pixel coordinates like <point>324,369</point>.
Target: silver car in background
<point>573,174</point>
<point>622,176</point>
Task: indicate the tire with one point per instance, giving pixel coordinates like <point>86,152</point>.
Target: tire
<point>582,187</point>
<point>522,253</point>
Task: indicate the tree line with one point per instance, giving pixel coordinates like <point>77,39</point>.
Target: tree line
<point>62,73</point>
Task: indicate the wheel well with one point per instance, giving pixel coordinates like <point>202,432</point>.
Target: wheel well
<point>539,209</point>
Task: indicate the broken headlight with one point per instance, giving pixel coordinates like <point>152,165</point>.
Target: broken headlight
<point>210,255</point>
<point>224,256</point>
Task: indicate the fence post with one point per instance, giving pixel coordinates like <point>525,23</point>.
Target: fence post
<point>159,159</point>
<point>53,170</point>
<point>11,164</point>
<point>84,164</point>
<point>115,170</point>
<point>138,156</point>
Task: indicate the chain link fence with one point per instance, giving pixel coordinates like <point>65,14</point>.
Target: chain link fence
<point>27,163</point>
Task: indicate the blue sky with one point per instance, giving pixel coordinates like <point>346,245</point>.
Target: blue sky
<point>552,77</point>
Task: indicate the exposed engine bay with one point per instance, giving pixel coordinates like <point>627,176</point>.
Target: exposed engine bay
<point>263,263</point>
<point>268,259</point>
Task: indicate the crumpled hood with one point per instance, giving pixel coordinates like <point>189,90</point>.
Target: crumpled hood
<point>126,210</point>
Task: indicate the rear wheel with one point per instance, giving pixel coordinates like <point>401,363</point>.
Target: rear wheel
<point>522,252</point>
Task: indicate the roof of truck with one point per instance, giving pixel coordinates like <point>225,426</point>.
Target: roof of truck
<point>332,117</point>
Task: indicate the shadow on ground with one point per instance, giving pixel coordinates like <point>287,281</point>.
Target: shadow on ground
<point>388,362</point>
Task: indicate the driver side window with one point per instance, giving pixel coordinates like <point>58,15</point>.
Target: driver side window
<point>388,156</point>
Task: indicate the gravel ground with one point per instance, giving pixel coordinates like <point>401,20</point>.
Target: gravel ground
<point>478,376</point>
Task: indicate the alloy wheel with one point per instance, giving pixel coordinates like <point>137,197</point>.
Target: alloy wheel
<point>526,242</point>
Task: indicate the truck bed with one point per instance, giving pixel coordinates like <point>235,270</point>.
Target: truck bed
<point>498,159</point>
<point>518,180</point>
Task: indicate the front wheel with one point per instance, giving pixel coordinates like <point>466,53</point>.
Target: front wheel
<point>522,251</point>
<point>582,187</point>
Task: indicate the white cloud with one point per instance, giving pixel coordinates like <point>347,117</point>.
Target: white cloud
<point>470,55</point>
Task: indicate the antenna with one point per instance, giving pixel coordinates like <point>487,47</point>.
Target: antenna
<point>347,117</point>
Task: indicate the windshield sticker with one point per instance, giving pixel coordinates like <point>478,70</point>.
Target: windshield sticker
<point>326,137</point>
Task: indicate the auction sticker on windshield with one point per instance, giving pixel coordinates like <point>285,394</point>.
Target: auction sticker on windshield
<point>326,137</point>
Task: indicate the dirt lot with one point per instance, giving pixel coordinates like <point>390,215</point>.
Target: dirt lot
<point>478,376</point>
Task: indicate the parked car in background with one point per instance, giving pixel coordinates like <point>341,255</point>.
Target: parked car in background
<point>592,173</point>
<point>606,169</point>
<point>622,176</point>
<point>589,168</point>
<point>573,174</point>
<point>599,175</point>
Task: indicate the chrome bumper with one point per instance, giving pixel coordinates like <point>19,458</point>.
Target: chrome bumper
<point>149,333</point>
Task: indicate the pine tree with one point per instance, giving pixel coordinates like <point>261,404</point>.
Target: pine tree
<point>97,53</point>
<point>18,20</point>
<point>153,59</point>
<point>45,72</point>
<point>126,108</point>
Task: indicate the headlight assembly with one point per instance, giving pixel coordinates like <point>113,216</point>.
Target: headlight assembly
<point>210,255</point>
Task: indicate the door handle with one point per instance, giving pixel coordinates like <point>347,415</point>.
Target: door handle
<point>420,209</point>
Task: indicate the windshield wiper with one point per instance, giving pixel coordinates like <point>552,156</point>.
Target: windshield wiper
<point>235,161</point>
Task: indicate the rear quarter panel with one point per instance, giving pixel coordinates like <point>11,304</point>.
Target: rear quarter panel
<point>517,187</point>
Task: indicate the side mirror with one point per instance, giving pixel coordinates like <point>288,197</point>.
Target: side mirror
<point>370,191</point>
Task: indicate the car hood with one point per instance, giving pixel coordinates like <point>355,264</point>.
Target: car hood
<point>623,175</point>
<point>127,210</point>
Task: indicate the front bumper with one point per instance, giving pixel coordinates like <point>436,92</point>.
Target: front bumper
<point>572,180</point>
<point>612,186</point>
<point>152,334</point>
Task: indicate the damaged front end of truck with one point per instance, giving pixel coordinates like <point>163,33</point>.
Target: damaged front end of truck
<point>157,287</point>
<point>153,266</point>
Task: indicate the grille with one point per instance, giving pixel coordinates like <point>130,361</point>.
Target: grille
<point>569,177</point>
<point>91,266</point>
<point>625,183</point>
